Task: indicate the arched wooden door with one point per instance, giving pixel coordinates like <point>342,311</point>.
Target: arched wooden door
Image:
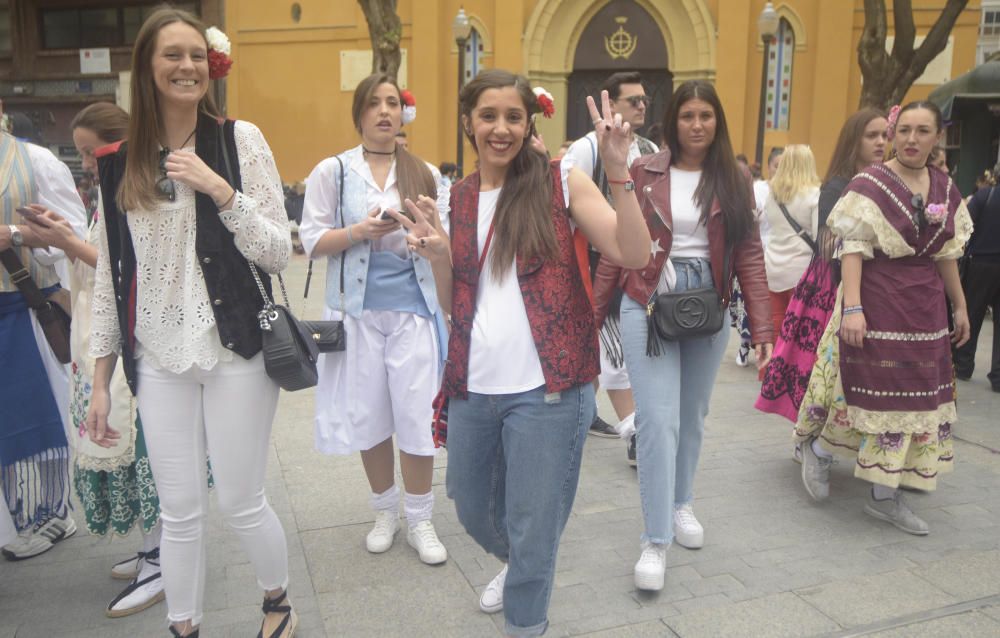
<point>620,37</point>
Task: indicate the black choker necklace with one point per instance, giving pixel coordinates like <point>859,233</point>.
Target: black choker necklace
<point>371,152</point>
<point>912,168</point>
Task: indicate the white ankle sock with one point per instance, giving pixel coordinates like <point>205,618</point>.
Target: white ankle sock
<point>882,493</point>
<point>626,427</point>
<point>151,539</point>
<point>819,451</point>
<point>387,500</point>
<point>418,507</point>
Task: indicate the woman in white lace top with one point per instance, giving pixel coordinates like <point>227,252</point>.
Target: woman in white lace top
<point>185,209</point>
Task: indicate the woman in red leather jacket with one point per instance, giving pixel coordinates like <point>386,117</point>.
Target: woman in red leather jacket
<point>698,207</point>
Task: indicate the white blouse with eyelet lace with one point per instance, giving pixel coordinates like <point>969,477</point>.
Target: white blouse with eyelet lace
<point>175,326</point>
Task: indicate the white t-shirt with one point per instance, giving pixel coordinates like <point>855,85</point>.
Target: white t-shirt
<point>503,358</point>
<point>690,234</point>
<point>787,256</point>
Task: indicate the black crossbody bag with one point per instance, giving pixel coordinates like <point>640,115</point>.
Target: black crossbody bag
<point>685,314</point>
<point>290,347</point>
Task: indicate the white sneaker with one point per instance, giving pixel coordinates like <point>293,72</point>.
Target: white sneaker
<point>491,601</point>
<point>743,356</point>
<point>688,532</point>
<point>40,539</point>
<point>651,567</point>
<point>386,525</point>
<point>424,539</point>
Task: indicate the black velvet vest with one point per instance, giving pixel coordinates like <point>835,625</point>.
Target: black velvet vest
<point>231,288</point>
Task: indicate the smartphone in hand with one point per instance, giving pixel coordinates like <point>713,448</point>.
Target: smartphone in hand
<point>385,216</point>
<point>30,215</point>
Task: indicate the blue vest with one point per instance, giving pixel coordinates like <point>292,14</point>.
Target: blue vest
<point>358,257</point>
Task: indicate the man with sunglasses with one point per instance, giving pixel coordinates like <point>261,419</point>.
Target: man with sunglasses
<point>628,99</point>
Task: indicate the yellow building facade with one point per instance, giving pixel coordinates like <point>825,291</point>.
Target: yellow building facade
<point>297,63</point>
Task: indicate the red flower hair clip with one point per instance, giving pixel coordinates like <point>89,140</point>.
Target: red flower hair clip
<point>545,102</point>
<point>219,49</point>
<point>409,106</point>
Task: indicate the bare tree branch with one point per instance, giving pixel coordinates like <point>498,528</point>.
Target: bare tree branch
<point>385,31</point>
<point>905,31</point>
<point>888,76</point>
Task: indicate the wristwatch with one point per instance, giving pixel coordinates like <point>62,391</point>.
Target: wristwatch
<point>629,186</point>
<point>16,238</point>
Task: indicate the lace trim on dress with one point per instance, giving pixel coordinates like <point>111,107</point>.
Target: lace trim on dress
<point>857,218</point>
<point>903,422</point>
<point>955,247</point>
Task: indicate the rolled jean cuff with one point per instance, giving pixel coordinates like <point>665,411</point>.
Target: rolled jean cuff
<point>526,632</point>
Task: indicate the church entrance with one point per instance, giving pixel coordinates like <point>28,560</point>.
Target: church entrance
<point>622,36</point>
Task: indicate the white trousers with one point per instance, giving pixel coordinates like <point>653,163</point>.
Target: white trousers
<point>225,412</point>
<point>382,384</point>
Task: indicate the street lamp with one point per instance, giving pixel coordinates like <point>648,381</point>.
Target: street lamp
<point>461,28</point>
<point>767,26</point>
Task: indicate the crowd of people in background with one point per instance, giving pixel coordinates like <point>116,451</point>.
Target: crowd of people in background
<point>511,295</point>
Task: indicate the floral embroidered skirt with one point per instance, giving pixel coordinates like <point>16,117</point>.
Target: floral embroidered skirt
<point>120,497</point>
<point>787,375</point>
<point>909,445</point>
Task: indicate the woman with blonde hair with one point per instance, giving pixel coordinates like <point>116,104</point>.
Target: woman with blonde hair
<point>792,211</point>
<point>192,208</point>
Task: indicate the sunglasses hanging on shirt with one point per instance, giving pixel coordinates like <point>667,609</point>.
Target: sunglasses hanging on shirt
<point>164,184</point>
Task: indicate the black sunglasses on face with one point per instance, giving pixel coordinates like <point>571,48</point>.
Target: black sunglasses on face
<point>636,100</point>
<point>917,202</point>
<point>164,183</point>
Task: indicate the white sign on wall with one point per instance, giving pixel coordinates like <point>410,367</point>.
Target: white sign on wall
<point>356,65</point>
<point>95,61</point>
<point>938,71</point>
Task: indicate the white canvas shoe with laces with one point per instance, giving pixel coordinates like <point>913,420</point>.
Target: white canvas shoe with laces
<point>688,532</point>
<point>386,525</point>
<point>491,601</point>
<point>651,567</point>
<point>423,538</point>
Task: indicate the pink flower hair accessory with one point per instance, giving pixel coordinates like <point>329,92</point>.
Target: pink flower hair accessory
<point>219,48</point>
<point>409,106</point>
<point>545,101</point>
<point>936,213</point>
<point>890,131</point>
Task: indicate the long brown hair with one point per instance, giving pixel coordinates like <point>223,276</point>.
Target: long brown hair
<point>413,178</point>
<point>108,121</point>
<point>844,162</point>
<point>523,218</point>
<point>138,189</point>
<point>721,176</point>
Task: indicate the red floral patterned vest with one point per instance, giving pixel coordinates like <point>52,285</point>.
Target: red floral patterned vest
<point>562,323</point>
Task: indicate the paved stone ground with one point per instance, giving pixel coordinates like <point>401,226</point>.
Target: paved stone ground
<point>774,563</point>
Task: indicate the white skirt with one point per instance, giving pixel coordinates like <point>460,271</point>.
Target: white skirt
<point>382,384</point>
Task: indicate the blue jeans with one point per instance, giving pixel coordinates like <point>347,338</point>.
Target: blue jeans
<point>671,400</point>
<point>513,467</point>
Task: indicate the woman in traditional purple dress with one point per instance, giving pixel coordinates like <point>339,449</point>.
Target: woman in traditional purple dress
<point>861,143</point>
<point>882,389</point>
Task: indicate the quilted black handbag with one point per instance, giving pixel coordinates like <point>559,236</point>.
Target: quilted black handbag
<point>290,347</point>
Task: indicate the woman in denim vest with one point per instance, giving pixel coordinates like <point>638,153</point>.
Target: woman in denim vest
<point>384,382</point>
